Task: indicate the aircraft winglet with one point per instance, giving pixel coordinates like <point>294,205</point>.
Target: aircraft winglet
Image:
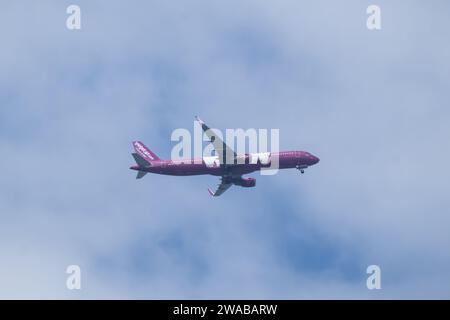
<point>211,192</point>
<point>199,120</point>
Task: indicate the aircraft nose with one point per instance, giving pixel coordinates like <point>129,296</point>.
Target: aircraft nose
<point>315,159</point>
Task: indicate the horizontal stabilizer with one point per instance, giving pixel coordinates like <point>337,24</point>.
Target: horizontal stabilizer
<point>141,174</point>
<point>140,160</point>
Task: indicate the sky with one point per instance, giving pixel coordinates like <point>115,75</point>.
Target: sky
<point>372,105</point>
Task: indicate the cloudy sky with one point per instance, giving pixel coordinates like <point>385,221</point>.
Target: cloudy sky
<point>373,105</point>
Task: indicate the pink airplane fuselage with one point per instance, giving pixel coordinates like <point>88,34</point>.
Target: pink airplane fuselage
<point>190,167</point>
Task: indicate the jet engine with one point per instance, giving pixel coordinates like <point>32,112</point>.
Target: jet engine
<point>245,182</point>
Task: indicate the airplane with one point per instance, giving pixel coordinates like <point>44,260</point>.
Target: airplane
<point>230,172</point>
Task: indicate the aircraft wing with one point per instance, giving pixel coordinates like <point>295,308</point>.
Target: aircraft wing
<point>223,151</point>
<point>221,188</point>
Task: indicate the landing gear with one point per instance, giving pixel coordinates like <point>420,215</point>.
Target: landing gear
<point>301,169</point>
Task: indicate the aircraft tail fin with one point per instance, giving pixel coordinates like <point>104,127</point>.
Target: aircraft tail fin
<point>144,152</point>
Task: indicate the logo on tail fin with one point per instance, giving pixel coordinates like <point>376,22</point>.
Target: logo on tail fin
<point>144,152</point>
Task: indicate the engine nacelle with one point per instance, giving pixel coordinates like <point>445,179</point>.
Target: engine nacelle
<point>245,182</point>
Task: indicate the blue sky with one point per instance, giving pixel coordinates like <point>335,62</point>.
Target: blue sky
<point>371,105</point>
